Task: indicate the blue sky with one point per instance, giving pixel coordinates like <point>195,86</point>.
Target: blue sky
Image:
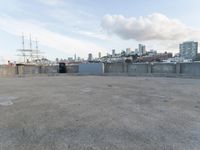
<point>66,27</point>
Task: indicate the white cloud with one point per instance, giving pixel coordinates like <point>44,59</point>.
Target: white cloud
<point>94,35</point>
<point>157,27</point>
<point>48,38</point>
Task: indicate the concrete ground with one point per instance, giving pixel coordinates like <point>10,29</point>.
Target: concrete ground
<point>99,113</point>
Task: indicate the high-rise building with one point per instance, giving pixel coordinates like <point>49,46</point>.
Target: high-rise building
<point>90,57</point>
<point>189,50</point>
<point>128,50</point>
<point>113,52</point>
<point>142,49</point>
<point>136,51</point>
<point>152,52</point>
<point>99,55</point>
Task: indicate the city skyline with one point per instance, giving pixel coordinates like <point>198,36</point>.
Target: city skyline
<point>65,28</point>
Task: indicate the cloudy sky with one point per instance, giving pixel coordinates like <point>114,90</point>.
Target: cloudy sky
<point>66,27</point>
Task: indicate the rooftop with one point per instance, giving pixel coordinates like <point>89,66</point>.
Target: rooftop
<point>95,113</point>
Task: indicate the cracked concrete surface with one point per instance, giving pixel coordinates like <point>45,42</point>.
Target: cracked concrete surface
<point>99,113</point>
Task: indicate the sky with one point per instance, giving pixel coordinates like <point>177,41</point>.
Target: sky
<point>67,27</point>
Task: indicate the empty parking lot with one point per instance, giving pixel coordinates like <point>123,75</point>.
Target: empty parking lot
<point>99,113</point>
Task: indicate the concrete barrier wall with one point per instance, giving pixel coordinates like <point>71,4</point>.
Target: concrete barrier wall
<point>163,68</point>
<point>32,70</point>
<point>8,71</point>
<point>27,70</point>
<point>72,69</point>
<point>137,68</point>
<point>48,69</point>
<point>115,68</point>
<point>190,68</point>
<point>154,68</point>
